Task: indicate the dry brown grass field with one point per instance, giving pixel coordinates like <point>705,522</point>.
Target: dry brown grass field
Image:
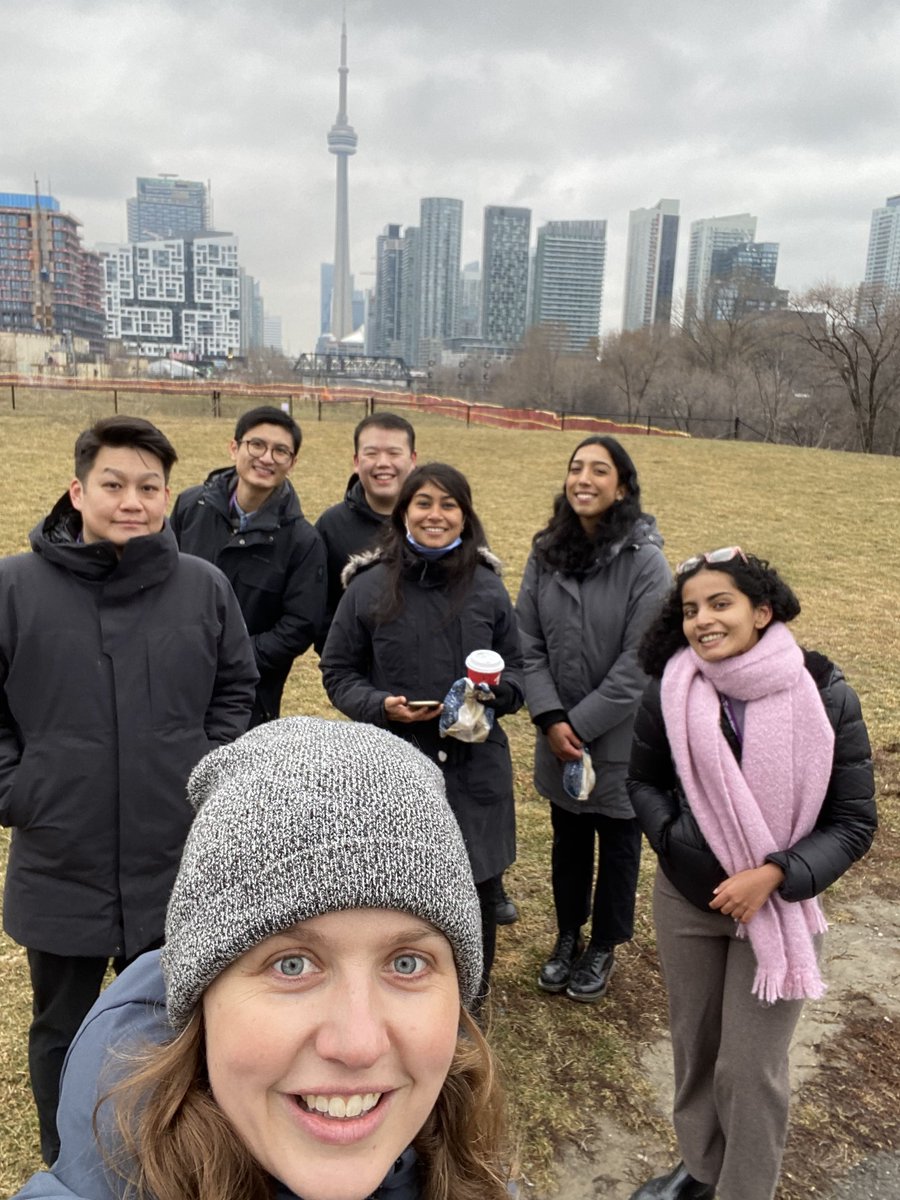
<point>827,520</point>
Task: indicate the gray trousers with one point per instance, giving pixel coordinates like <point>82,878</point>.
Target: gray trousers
<point>731,1051</point>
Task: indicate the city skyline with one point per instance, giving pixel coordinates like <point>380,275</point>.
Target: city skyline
<point>579,114</point>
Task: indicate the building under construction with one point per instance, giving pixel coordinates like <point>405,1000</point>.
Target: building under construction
<point>49,283</point>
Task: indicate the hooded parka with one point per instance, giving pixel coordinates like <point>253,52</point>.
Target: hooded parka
<point>347,529</point>
<point>419,654</point>
<point>118,675</point>
<point>580,636</point>
<point>276,567</point>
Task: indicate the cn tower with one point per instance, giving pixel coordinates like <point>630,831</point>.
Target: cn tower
<point>342,142</point>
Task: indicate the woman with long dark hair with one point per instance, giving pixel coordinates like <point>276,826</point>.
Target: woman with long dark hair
<point>752,778</point>
<point>413,610</point>
<point>594,579</point>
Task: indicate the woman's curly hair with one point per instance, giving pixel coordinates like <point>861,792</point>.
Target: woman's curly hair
<point>753,576</point>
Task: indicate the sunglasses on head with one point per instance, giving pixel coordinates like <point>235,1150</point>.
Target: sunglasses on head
<point>722,555</point>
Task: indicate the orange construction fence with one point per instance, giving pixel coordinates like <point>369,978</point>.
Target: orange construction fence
<point>473,413</point>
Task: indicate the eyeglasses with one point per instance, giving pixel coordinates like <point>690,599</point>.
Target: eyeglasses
<point>256,448</point>
<point>722,555</point>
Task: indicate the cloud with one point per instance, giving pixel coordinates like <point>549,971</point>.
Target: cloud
<point>577,110</point>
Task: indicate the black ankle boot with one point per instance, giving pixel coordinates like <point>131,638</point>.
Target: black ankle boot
<point>555,972</point>
<point>591,974</point>
<point>677,1185</point>
<point>507,913</point>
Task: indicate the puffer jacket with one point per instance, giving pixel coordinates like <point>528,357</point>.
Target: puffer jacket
<point>117,676</point>
<point>842,833</point>
<point>419,655</point>
<point>347,529</point>
<point>276,567</point>
<point>579,641</point>
<point>131,1015</point>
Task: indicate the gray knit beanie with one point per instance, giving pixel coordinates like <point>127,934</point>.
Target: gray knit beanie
<point>304,816</point>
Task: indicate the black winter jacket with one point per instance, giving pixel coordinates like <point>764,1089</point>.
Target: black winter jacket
<point>419,655</point>
<point>117,676</point>
<point>276,567</point>
<point>347,529</point>
<point>842,834</point>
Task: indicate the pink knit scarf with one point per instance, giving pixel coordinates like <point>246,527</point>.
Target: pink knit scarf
<point>771,799</point>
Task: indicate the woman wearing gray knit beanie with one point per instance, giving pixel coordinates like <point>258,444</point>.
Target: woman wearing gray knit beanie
<point>322,948</point>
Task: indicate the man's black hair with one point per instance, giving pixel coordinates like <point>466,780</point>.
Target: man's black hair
<point>132,432</point>
<point>267,414</point>
<point>385,420</point>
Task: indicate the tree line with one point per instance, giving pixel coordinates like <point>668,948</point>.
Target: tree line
<point>823,371</point>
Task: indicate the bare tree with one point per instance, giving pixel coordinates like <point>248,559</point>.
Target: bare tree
<point>629,363</point>
<point>690,398</point>
<point>857,335</point>
<point>536,376</point>
<point>736,317</point>
<point>782,381</point>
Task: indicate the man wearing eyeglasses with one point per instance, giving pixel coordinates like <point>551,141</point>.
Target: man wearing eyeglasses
<point>247,520</point>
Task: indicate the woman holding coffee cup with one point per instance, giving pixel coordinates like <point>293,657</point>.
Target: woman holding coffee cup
<point>414,610</point>
<point>594,580</point>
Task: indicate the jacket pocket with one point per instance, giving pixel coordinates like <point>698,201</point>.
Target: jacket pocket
<point>181,670</point>
<point>489,771</point>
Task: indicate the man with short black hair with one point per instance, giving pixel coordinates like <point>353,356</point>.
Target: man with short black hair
<point>247,519</point>
<point>122,662</point>
<point>384,453</point>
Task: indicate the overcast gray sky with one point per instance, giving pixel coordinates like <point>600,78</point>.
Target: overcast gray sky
<point>787,109</point>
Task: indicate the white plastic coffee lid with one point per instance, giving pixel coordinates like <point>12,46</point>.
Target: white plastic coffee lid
<point>486,661</point>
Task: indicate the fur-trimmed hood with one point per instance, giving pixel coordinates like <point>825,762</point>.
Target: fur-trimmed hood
<point>369,558</point>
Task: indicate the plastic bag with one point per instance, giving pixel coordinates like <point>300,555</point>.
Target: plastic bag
<point>465,716</point>
<point>579,777</point>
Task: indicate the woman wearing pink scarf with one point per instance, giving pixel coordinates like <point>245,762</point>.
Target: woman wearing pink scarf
<point>751,775</point>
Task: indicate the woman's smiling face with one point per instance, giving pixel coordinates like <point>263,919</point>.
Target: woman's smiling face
<point>327,1046</point>
<point>433,517</point>
<point>592,484</point>
<point>718,620</point>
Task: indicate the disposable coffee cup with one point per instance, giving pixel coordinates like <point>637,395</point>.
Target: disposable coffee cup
<point>485,666</point>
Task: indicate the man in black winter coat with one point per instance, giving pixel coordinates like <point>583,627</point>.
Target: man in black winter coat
<point>247,520</point>
<point>384,453</point>
<point>122,662</point>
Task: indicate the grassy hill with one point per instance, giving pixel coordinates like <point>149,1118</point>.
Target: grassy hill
<point>826,520</point>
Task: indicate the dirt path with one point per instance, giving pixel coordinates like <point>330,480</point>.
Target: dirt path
<point>862,967</point>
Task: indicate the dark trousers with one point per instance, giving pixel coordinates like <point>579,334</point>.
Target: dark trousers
<point>64,989</point>
<point>487,898</point>
<point>609,900</point>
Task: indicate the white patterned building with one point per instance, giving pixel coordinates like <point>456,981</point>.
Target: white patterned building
<point>180,295</point>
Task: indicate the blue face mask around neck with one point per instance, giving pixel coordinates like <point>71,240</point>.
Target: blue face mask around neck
<point>432,553</point>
